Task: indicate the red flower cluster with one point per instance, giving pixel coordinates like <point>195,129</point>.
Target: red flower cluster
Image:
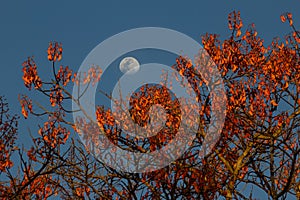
<point>54,135</point>
<point>64,75</point>
<point>56,96</point>
<point>30,74</point>
<point>54,51</point>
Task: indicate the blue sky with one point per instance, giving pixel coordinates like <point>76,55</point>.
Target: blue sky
<point>28,26</point>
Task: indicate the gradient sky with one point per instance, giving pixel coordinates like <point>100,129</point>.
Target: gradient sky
<point>28,26</point>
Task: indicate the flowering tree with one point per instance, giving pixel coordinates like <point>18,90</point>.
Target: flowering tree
<point>258,148</point>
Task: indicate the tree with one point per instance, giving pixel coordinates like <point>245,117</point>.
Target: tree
<point>263,109</point>
<point>258,148</point>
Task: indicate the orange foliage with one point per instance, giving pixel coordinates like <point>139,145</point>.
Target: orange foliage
<point>262,88</point>
<point>26,104</point>
<point>30,76</point>
<point>53,135</point>
<point>54,51</point>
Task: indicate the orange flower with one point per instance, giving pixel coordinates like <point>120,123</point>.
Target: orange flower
<point>54,51</point>
<point>56,96</point>
<point>54,135</point>
<point>26,104</point>
<point>64,74</point>
<point>282,17</point>
<point>235,21</point>
<point>30,76</point>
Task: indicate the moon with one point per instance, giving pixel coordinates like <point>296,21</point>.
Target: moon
<point>129,65</point>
